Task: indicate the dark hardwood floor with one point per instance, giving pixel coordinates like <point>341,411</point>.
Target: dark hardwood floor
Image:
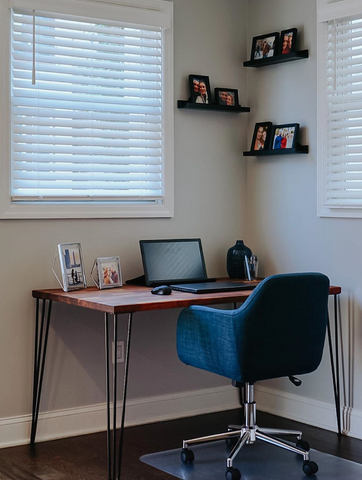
<point>84,457</point>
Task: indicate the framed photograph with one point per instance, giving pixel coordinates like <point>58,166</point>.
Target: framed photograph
<point>265,46</point>
<point>261,136</point>
<point>288,41</point>
<point>108,271</point>
<point>284,136</point>
<point>200,89</point>
<point>226,96</point>
<point>71,265</point>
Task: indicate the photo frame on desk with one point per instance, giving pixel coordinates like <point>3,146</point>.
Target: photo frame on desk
<point>108,270</point>
<point>71,267</point>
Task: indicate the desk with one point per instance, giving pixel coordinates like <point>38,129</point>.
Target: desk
<point>130,299</point>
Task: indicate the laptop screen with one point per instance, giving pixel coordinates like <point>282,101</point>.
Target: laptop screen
<point>173,261</point>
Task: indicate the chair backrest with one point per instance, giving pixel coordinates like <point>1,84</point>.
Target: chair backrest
<point>281,327</point>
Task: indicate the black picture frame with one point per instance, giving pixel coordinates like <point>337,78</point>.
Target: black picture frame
<point>288,41</point>
<point>227,96</point>
<point>262,142</point>
<point>287,131</point>
<point>265,46</point>
<point>195,95</point>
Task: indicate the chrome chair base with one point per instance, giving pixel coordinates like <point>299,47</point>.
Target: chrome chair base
<point>248,434</point>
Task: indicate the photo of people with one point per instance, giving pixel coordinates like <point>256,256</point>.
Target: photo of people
<point>200,89</point>
<point>284,137</point>
<point>264,46</point>
<point>288,39</point>
<point>226,96</point>
<point>71,266</point>
<point>261,136</point>
<point>109,272</point>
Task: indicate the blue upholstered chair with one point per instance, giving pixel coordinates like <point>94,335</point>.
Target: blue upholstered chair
<point>278,332</point>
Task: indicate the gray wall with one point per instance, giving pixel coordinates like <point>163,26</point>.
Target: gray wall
<point>283,226</point>
<point>210,193</point>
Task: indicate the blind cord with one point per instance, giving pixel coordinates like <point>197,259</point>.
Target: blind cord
<point>33,69</point>
<point>335,57</point>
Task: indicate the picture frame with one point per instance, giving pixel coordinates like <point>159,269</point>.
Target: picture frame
<point>288,41</point>
<point>284,136</point>
<point>71,266</point>
<point>227,96</point>
<point>108,270</point>
<point>261,136</point>
<point>265,46</point>
<point>200,91</point>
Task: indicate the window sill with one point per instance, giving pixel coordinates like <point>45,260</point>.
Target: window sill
<point>52,211</point>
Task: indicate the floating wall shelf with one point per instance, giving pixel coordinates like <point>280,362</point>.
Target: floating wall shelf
<point>288,57</point>
<point>280,151</point>
<point>208,106</point>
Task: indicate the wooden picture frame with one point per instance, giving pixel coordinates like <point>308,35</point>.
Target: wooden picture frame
<point>261,136</point>
<point>227,96</point>
<point>288,41</point>
<point>200,91</point>
<point>265,46</point>
<point>284,136</point>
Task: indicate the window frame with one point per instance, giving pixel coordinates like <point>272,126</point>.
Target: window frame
<point>326,12</point>
<point>92,208</point>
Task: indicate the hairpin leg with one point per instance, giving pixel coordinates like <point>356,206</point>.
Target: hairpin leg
<point>41,342</point>
<point>335,366</point>
<point>125,384</point>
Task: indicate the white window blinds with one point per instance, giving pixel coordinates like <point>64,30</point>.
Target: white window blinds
<point>91,127</point>
<point>343,146</point>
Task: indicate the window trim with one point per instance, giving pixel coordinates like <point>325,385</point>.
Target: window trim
<point>92,209</point>
<point>327,12</point>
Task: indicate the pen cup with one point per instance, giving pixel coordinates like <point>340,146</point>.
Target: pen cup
<point>251,267</point>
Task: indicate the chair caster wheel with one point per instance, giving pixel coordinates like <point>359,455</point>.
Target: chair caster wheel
<point>187,456</point>
<point>303,444</point>
<point>232,474</point>
<point>310,468</point>
<point>231,441</point>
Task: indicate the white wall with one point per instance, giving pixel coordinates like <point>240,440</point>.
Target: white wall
<point>283,226</point>
<point>210,193</point>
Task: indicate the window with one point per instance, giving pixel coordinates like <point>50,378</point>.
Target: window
<point>340,109</point>
<point>91,110</point>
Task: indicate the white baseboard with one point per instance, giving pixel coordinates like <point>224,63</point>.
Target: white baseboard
<point>306,410</point>
<point>80,421</point>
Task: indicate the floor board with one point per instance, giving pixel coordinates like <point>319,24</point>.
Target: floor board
<point>84,457</point>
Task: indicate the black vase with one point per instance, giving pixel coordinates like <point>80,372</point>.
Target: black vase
<point>235,260</point>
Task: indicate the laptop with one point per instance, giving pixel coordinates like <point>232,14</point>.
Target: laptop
<point>226,286</point>
<point>180,264</point>
<point>173,261</point>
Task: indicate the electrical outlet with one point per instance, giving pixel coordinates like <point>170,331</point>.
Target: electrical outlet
<point>120,351</point>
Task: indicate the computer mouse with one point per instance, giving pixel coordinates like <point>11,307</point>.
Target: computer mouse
<point>162,290</point>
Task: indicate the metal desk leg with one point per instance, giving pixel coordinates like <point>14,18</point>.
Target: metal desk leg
<point>41,342</point>
<point>125,384</point>
<point>335,366</point>
<point>113,460</point>
<point>109,444</point>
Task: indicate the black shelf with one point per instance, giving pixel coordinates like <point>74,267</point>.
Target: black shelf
<point>280,151</point>
<point>288,57</point>
<point>208,106</point>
